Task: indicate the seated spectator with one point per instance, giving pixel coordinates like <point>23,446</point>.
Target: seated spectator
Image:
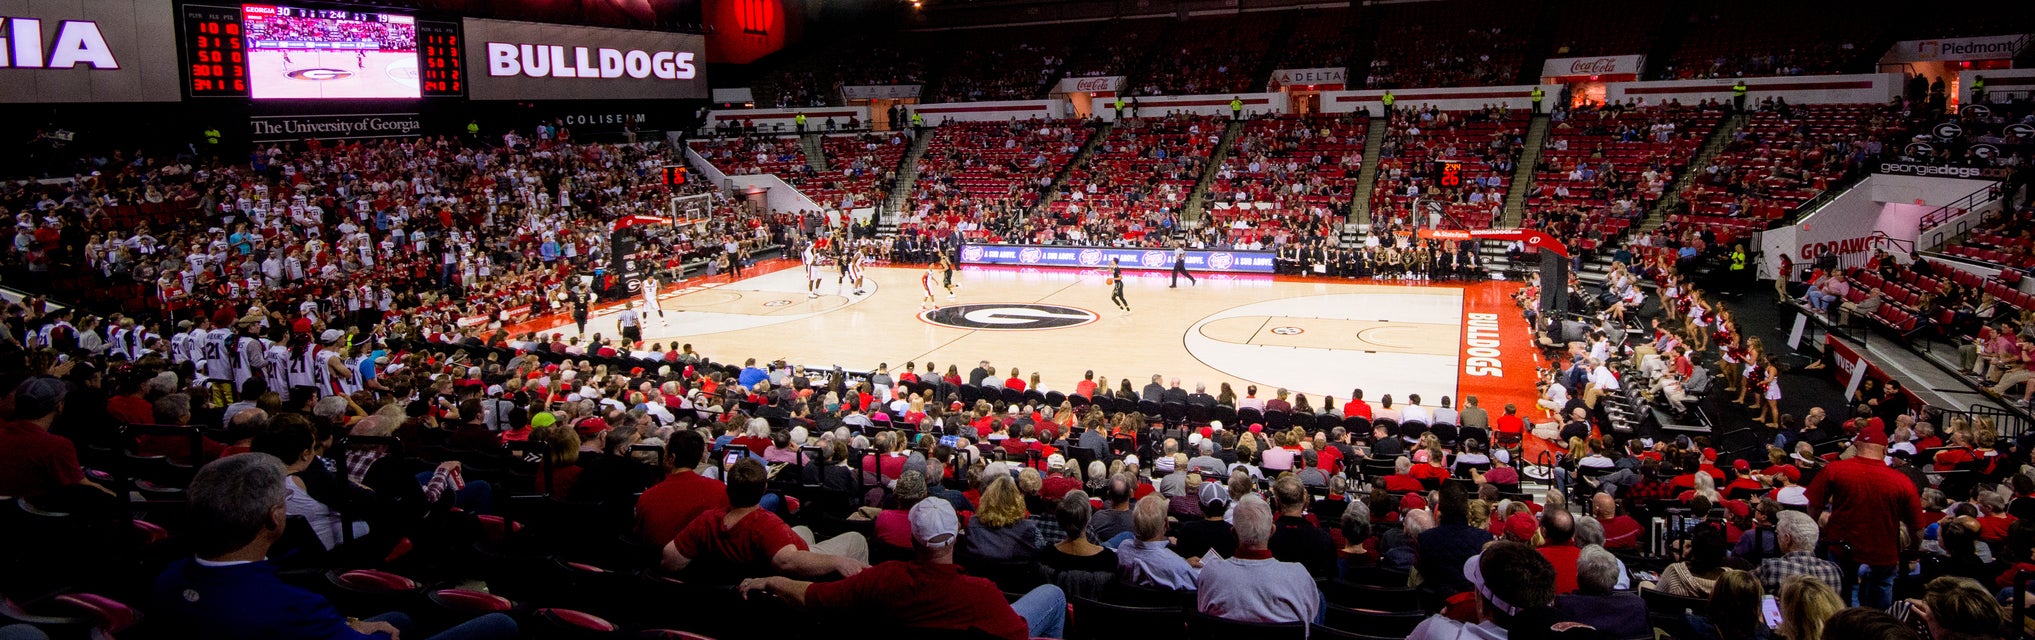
<point>293,442</point>
<point>928,592</point>
<point>1797,537</point>
<point>1697,573</point>
<point>1147,561</point>
<point>1620,531</point>
<point>1861,622</point>
<point>1252,586</point>
<point>1000,534</point>
<point>1957,609</point>
<point>1444,548</point>
<point>746,540</point>
<point>1735,609</point>
<point>666,508</point>
<point>1515,587</point>
<point>1558,529</point>
<point>1595,603</point>
<point>1806,603</point>
<point>1114,521</point>
<point>34,463</point>
<point>1077,552</point>
<point>228,588</point>
<point>1194,538</point>
<point>1294,537</point>
<point>893,523</point>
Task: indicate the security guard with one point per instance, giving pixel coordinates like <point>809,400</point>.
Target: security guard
<point>473,129</point>
<point>1978,89</point>
<point>918,122</point>
<point>800,121</point>
<point>212,138</point>
<point>1236,108</point>
<point>1737,262</point>
<point>1738,96</point>
<point>1119,107</point>
<point>1388,100</point>
<point>1537,95</point>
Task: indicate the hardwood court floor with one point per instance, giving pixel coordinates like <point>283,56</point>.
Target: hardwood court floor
<point>1313,336</point>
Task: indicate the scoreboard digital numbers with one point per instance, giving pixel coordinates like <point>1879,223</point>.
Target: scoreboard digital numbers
<point>440,47</point>
<point>215,55</point>
<point>1448,174</point>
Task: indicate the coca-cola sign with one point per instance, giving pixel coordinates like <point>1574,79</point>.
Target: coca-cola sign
<point>1090,85</point>
<point>1594,66</point>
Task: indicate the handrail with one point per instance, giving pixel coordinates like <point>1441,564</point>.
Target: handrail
<point>1958,207</point>
<point>2009,423</point>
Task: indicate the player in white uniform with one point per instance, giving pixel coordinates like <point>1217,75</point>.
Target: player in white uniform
<point>854,259</point>
<point>220,353</point>
<point>926,281</point>
<point>811,258</point>
<point>650,297</point>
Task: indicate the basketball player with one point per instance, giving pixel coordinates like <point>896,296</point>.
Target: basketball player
<point>854,261</point>
<point>811,259</point>
<point>650,297</point>
<point>947,275</point>
<point>926,281</point>
<point>1116,281</point>
<point>360,58</point>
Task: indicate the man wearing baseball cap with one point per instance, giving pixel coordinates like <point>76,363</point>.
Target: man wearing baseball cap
<point>1862,497</point>
<point>1515,587</point>
<point>928,592</point>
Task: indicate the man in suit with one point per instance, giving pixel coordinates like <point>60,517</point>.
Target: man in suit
<point>981,372</point>
<point>1174,393</point>
<point>1153,391</point>
<point>1200,396</point>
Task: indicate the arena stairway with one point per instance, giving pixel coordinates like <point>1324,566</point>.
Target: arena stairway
<point>1594,270</point>
<point>1095,139</point>
<point>1192,213</point>
<point>1367,176</point>
<point>816,154</point>
<point>907,177</point>
<point>1522,174</point>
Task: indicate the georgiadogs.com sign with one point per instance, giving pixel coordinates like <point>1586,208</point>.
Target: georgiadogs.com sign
<point>530,61</point>
<point>334,127</point>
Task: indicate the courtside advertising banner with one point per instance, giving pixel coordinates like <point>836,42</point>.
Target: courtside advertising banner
<point>1130,258</point>
<point>530,61</point>
<point>88,51</point>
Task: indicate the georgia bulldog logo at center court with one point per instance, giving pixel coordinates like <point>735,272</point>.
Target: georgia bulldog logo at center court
<point>971,254</point>
<point>1221,260</point>
<point>320,74</point>
<point>1091,257</point>
<point>1008,316</point>
<point>1152,259</point>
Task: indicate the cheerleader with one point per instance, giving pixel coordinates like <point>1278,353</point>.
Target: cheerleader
<point>1771,386</point>
<point>1698,321</point>
<point>1752,355</point>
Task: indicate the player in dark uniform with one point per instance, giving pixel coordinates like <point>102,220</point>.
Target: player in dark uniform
<point>1116,281</point>
<point>947,274</point>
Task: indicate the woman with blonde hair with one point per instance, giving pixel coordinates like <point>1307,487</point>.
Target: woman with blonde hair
<point>1736,609</point>
<point>1806,603</point>
<point>1000,532</point>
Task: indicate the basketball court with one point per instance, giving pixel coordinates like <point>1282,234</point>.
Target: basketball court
<point>333,74</point>
<point>1310,335</point>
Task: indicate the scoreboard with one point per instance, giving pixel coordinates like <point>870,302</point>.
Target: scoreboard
<point>443,72</point>
<point>215,52</point>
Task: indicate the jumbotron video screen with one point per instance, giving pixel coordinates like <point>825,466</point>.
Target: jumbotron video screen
<point>296,53</point>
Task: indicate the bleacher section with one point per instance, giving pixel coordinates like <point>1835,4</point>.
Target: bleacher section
<point>1736,38</point>
<point>1452,43</point>
<point>1285,173</point>
<point>1141,173</point>
<point>991,168</point>
<point>860,169</point>
<point>1001,64</point>
<point>1782,158</point>
<point>1209,55</point>
<point>750,155</point>
<point>1602,169</point>
<point>1486,142</point>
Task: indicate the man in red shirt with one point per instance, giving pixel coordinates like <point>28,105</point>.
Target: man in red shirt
<point>721,545</point>
<point>1086,387</point>
<point>929,592</point>
<point>1560,530</point>
<point>1509,426</point>
<point>1863,497</point>
<point>1057,484</point>
<point>33,462</point>
<point>663,510</point>
<point>1620,532</point>
<point>1356,407</point>
<point>1402,479</point>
